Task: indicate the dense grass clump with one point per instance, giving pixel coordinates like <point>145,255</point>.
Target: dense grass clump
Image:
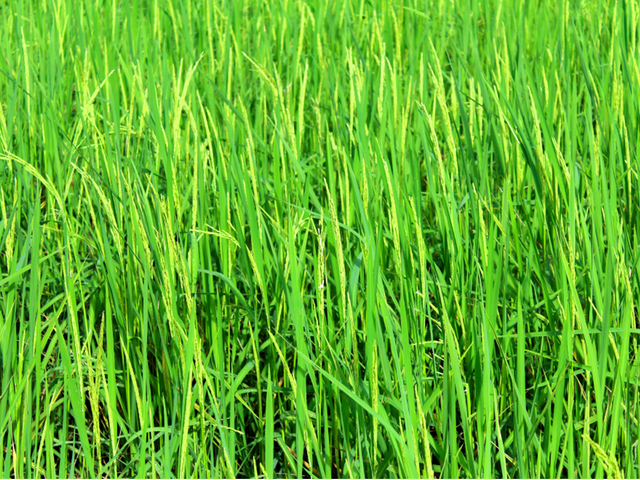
<point>302,238</point>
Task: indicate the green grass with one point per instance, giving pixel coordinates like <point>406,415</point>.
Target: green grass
<point>319,239</point>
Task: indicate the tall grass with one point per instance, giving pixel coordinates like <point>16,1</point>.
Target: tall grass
<point>319,239</point>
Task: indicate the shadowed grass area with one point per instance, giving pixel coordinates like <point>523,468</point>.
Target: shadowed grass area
<point>319,239</point>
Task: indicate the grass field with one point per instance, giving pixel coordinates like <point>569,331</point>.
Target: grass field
<point>319,239</point>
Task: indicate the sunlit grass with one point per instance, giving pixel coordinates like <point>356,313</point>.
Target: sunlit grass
<point>319,239</point>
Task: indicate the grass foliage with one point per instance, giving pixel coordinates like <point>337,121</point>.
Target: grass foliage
<point>312,239</point>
